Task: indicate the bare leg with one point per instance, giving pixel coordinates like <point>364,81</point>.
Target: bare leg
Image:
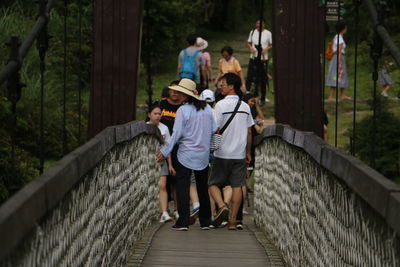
<point>236,200</point>
<point>326,137</point>
<point>216,195</point>
<point>163,193</point>
<point>331,94</point>
<point>386,88</point>
<point>193,195</point>
<point>227,194</point>
<point>343,96</point>
<point>212,203</point>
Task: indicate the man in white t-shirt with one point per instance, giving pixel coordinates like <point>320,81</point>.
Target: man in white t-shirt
<point>252,71</point>
<point>229,166</point>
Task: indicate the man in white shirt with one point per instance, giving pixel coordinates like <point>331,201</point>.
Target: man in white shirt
<point>229,166</point>
<point>252,71</point>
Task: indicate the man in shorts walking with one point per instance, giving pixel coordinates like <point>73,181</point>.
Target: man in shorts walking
<point>229,166</point>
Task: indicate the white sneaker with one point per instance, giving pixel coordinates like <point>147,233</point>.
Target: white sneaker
<point>384,94</point>
<point>165,218</point>
<point>176,215</point>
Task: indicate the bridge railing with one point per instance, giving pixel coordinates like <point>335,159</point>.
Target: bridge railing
<point>322,207</point>
<point>88,209</point>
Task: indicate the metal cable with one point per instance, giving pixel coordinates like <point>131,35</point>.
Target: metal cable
<point>64,123</point>
<point>357,18</point>
<point>337,76</point>
<point>80,83</point>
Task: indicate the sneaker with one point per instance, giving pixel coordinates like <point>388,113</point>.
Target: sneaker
<point>179,228</point>
<point>239,225</point>
<point>223,224</point>
<point>193,215</point>
<point>206,227</point>
<point>176,215</point>
<point>195,211</point>
<point>165,218</point>
<point>385,94</point>
<point>221,216</point>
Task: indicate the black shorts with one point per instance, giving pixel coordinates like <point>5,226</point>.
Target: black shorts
<point>228,172</point>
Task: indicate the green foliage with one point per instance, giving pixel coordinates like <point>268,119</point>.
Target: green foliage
<point>387,141</point>
<point>18,18</point>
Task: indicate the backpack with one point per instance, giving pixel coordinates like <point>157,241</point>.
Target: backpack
<point>329,51</point>
<point>188,69</point>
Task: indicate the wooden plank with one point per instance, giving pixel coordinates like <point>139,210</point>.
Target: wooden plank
<point>196,247</point>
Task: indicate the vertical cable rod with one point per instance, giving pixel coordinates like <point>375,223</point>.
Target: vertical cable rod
<point>64,123</point>
<point>337,75</point>
<point>356,3</point>
<point>80,83</point>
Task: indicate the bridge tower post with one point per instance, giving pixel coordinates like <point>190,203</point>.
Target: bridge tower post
<point>298,49</point>
<point>116,55</point>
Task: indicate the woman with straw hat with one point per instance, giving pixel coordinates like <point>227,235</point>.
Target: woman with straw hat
<point>193,128</point>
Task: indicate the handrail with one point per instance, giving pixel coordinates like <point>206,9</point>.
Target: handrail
<point>14,65</point>
<point>383,33</point>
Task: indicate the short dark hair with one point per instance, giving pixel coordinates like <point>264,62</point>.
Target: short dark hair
<point>228,49</point>
<point>247,97</point>
<point>261,20</point>
<point>153,106</point>
<point>233,79</point>
<point>340,26</point>
<point>165,92</point>
<point>174,82</point>
<point>191,39</point>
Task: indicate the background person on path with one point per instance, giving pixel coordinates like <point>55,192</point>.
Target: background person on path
<point>229,64</point>
<point>342,77</point>
<point>202,46</point>
<point>154,116</point>
<point>191,62</point>
<point>193,128</point>
<point>252,71</point>
<point>229,166</point>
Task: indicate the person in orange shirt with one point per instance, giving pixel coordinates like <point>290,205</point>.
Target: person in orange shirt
<point>229,64</point>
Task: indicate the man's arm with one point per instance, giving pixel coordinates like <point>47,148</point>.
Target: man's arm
<point>251,48</point>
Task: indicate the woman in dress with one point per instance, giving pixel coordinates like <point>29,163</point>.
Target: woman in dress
<point>338,62</point>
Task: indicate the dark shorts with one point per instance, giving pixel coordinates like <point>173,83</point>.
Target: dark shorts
<point>228,172</point>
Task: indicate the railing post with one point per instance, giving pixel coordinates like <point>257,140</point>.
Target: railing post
<point>42,44</point>
<point>14,87</point>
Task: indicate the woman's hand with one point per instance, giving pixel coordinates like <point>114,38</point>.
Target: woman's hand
<point>159,156</point>
<point>171,170</point>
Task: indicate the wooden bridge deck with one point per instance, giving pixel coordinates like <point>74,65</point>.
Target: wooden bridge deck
<point>216,247</point>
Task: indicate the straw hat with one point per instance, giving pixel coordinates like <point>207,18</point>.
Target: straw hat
<point>187,87</point>
<point>201,43</point>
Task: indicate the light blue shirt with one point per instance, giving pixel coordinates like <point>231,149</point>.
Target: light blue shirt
<point>192,131</point>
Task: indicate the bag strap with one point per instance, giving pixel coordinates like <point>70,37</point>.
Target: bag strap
<point>230,118</point>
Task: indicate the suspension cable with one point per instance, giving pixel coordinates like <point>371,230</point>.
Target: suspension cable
<point>64,122</point>
<point>337,75</point>
<point>80,83</point>
<point>357,20</point>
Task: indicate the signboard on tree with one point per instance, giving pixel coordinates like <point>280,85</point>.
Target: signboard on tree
<point>333,10</point>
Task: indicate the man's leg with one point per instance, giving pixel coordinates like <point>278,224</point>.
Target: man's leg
<point>182,194</point>
<point>202,192</point>
<point>250,74</point>
<point>236,201</point>
<point>237,180</point>
<point>219,172</point>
